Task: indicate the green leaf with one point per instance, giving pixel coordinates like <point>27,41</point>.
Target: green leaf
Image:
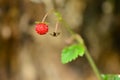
<point>72,52</point>
<point>110,77</point>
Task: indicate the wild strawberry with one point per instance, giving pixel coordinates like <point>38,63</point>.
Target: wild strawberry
<point>41,28</point>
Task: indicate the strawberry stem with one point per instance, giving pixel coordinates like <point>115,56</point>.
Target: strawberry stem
<point>43,20</point>
<point>56,26</point>
<point>45,16</point>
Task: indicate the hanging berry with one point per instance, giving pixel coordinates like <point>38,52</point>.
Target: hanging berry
<point>41,28</point>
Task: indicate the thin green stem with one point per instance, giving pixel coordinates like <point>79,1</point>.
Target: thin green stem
<point>87,54</point>
<point>90,60</point>
<point>80,40</point>
<point>67,27</point>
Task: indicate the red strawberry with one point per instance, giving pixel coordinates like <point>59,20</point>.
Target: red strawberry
<point>41,28</point>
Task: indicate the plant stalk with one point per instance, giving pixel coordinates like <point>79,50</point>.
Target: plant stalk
<point>90,60</point>
<point>45,16</point>
<point>87,54</point>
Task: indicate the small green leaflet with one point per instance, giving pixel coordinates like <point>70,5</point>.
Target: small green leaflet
<point>110,77</point>
<point>72,52</point>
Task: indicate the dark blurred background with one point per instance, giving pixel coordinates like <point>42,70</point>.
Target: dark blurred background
<point>25,55</point>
